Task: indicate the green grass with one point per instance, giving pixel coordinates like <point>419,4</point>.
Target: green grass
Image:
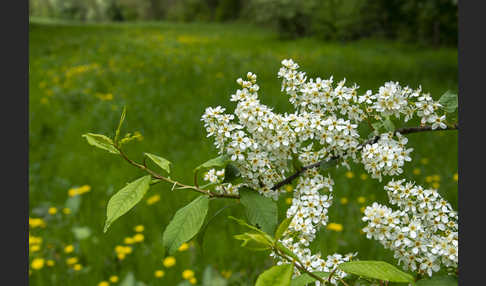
<point>166,75</point>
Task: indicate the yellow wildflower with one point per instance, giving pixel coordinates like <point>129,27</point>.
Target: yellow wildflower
<point>435,185</point>
<point>416,171</point>
<point>455,177</point>
<point>436,178</point>
<point>169,261</point>
<point>34,248</point>
<point>429,179</point>
<point>288,201</point>
<point>138,237</point>
<point>79,191</point>
<point>113,279</point>
<point>139,228</point>
<point>289,188</point>
<point>66,211</point>
<point>104,283</point>
<point>69,248</point>
<point>226,273</point>
<point>71,260</point>
<point>183,247</point>
<point>349,175</point>
<point>193,280</point>
<point>159,273</point>
<point>344,200</point>
<point>128,240</point>
<point>36,222</point>
<point>361,200</point>
<point>335,226</point>
<point>187,274</point>
<point>77,267</point>
<point>153,199</point>
<point>362,209</point>
<point>52,210</point>
<point>363,176</point>
<point>37,263</point>
<point>424,161</point>
<point>50,262</point>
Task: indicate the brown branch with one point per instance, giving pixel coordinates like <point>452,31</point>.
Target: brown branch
<point>176,183</point>
<point>406,130</point>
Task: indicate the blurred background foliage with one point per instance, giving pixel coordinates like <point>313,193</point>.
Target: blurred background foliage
<point>427,22</point>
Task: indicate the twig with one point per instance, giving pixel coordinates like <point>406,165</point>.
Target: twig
<point>406,130</point>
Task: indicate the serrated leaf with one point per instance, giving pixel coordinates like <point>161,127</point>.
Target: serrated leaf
<point>243,223</point>
<point>283,226</point>
<point>279,275</point>
<point>125,199</point>
<point>376,270</point>
<point>163,163</point>
<point>101,141</point>
<point>449,101</point>
<point>122,118</point>
<point>254,241</point>
<point>186,224</point>
<point>377,125</point>
<point>231,173</point>
<point>328,164</point>
<point>443,280</point>
<point>211,277</point>
<point>388,124</point>
<point>81,232</point>
<point>261,211</point>
<point>219,161</point>
<point>304,279</point>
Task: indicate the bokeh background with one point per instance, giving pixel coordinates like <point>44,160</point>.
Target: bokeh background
<point>169,60</point>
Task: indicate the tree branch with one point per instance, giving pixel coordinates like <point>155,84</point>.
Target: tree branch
<point>406,130</point>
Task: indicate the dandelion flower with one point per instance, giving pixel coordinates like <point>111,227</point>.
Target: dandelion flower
<point>183,247</point>
<point>52,210</point>
<point>104,283</point>
<point>113,279</point>
<point>169,261</point>
<point>159,273</point>
<point>139,228</point>
<point>335,227</point>
<point>37,263</point>
<point>187,274</point>
<point>69,248</point>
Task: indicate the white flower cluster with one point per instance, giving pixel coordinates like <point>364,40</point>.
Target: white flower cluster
<point>386,156</point>
<point>309,213</point>
<point>423,233</point>
<point>323,126</point>
<point>216,177</point>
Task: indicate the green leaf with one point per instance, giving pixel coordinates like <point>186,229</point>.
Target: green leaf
<point>125,199</point>
<point>283,226</point>
<point>81,232</point>
<point>101,141</point>
<point>231,173</point>
<point>377,270</point>
<point>328,164</point>
<point>122,118</point>
<point>254,241</point>
<point>261,211</point>
<point>279,275</point>
<point>163,163</point>
<point>305,278</point>
<point>243,223</point>
<point>443,280</point>
<point>388,124</point>
<point>449,101</point>
<point>212,278</point>
<point>377,125</point>
<point>186,224</point>
<point>219,161</point>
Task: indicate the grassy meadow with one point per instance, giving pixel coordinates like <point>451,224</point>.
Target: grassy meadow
<point>81,76</point>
